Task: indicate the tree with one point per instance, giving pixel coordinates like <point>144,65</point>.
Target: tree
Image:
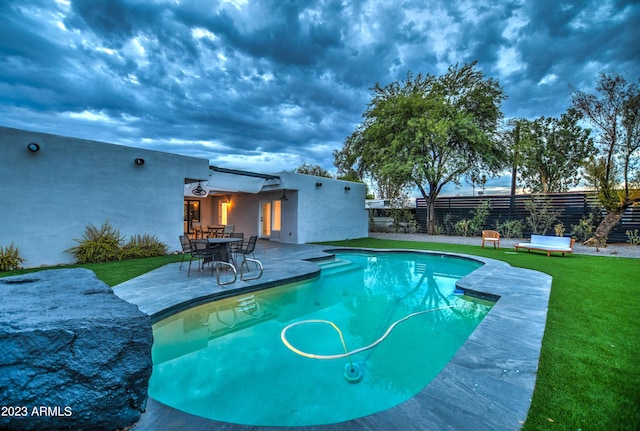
<point>614,171</point>
<point>315,170</point>
<point>429,131</point>
<point>512,138</point>
<point>384,187</point>
<point>552,152</point>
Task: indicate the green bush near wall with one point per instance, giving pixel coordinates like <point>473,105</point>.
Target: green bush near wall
<point>10,258</point>
<point>105,244</point>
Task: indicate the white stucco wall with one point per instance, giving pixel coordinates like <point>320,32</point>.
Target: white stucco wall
<point>48,197</point>
<point>310,213</point>
<point>324,213</point>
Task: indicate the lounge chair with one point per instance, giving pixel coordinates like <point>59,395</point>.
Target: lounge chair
<point>548,244</point>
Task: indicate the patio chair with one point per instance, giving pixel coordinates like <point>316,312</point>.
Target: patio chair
<point>492,237</point>
<point>198,232</point>
<point>186,247</point>
<point>236,247</point>
<point>202,250</point>
<point>228,230</point>
<point>248,250</point>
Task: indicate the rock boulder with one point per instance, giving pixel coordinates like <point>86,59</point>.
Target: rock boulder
<point>72,354</point>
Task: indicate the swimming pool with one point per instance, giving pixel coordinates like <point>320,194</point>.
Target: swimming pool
<point>225,360</point>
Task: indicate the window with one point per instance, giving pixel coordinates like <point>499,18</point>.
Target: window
<point>223,214</point>
<point>277,207</point>
<point>191,214</point>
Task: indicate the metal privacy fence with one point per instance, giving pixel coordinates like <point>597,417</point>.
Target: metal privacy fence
<point>571,207</point>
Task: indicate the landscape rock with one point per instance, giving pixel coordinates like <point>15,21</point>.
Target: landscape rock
<point>73,355</point>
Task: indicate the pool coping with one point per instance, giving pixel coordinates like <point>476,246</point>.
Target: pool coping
<point>487,385</point>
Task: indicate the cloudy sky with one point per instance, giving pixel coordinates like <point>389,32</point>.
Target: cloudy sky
<point>268,85</point>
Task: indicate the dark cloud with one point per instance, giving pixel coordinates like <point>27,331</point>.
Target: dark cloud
<point>267,85</point>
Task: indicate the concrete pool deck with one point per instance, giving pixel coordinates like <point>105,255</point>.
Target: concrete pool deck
<point>487,385</point>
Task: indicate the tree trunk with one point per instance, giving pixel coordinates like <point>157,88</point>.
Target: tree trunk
<point>431,216</point>
<point>599,238</point>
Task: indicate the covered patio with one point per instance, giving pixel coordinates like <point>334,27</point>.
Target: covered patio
<point>283,206</point>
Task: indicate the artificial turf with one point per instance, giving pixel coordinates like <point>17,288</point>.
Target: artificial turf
<point>113,273</point>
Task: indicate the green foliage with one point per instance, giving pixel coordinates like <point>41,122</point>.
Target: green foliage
<point>551,152</point>
<point>615,111</point>
<point>113,273</point>
<point>541,216</point>
<point>98,245</point>
<point>448,226</point>
<point>559,229</point>
<point>315,170</point>
<point>10,258</point>
<point>633,237</point>
<point>510,228</point>
<point>106,245</point>
<point>463,227</point>
<point>141,246</point>
<point>429,131</point>
<point>597,173</point>
<point>474,225</point>
<point>584,229</point>
<point>403,219</point>
<point>480,214</point>
<point>438,229</point>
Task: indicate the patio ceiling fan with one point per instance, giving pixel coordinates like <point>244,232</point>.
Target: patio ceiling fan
<point>199,191</point>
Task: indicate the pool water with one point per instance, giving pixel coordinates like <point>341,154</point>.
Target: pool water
<point>226,361</point>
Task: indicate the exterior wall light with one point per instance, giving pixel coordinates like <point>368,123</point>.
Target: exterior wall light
<point>138,161</point>
<point>33,147</point>
<point>347,188</point>
<point>318,184</point>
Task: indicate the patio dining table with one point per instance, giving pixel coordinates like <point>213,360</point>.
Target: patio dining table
<point>223,245</point>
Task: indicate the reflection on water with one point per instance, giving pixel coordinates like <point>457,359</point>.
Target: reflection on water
<point>225,360</point>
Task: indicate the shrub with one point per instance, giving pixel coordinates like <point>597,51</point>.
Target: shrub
<point>559,228</point>
<point>541,215</point>
<point>145,245</point>
<point>632,237</point>
<point>510,228</point>
<point>474,225</point>
<point>448,226</point>
<point>479,218</point>
<point>10,258</point>
<point>584,229</point>
<point>463,227</point>
<point>438,229</point>
<point>98,245</point>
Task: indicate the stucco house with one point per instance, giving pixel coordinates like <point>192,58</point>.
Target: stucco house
<point>52,187</point>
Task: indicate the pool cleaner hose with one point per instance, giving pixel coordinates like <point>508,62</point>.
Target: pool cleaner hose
<point>352,372</point>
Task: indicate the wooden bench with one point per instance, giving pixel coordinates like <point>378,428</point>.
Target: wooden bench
<point>549,244</point>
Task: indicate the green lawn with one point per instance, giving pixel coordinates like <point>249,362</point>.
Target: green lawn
<point>589,375</point>
<point>113,273</point>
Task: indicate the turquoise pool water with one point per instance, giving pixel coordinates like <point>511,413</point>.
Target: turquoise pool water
<point>225,360</point>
